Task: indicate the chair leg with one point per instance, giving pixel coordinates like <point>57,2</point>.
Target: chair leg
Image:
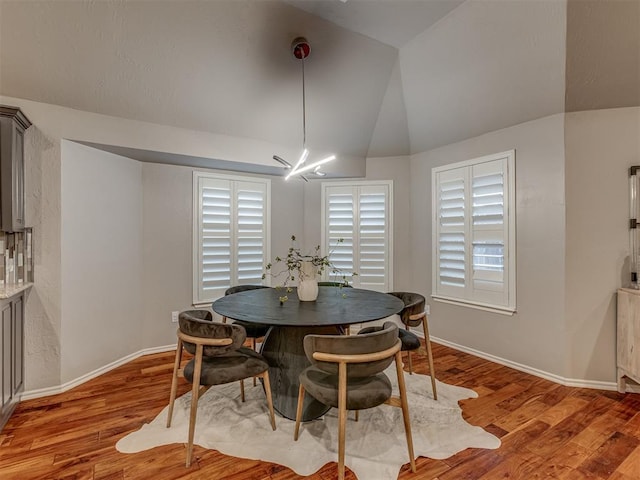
<point>253,345</point>
<point>432,372</point>
<point>242,390</point>
<point>267,391</point>
<point>342,416</point>
<point>406,327</point>
<point>174,382</point>
<point>299,411</point>
<point>194,401</point>
<point>405,410</point>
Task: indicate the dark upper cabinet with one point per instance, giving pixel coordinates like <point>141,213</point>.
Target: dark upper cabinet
<point>13,124</point>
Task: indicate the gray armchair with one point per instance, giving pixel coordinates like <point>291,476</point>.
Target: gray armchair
<point>219,358</point>
<point>412,315</point>
<point>347,372</point>
<point>254,330</point>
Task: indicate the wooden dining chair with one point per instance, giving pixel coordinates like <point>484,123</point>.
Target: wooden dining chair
<point>413,315</point>
<point>255,331</point>
<point>347,373</point>
<point>219,358</point>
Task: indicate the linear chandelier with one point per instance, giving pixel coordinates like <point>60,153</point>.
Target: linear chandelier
<point>301,49</point>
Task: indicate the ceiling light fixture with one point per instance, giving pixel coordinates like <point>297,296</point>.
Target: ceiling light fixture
<point>301,49</point>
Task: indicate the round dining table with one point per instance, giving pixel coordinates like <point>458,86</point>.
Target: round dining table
<point>291,321</point>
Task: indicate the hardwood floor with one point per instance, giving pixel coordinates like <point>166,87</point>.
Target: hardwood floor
<point>547,430</point>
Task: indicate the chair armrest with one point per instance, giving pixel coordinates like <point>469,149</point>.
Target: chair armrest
<point>357,358</point>
<point>214,342</point>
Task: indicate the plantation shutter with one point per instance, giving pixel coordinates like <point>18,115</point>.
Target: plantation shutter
<point>489,234</point>
<point>340,209</point>
<point>359,215</point>
<point>215,235</point>
<point>231,242</point>
<point>451,253</point>
<point>374,238</point>
<point>474,232</point>
<point>251,232</point>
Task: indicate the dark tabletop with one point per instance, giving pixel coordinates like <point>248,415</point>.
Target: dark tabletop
<point>334,306</point>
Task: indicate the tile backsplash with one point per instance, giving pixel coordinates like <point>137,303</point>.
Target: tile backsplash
<point>16,257</point>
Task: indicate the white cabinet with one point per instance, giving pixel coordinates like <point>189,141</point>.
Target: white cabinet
<point>11,354</point>
<point>628,337</point>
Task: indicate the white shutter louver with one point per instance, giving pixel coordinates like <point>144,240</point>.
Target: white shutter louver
<point>373,238</point>
<point>340,224</point>
<point>215,237</point>
<point>250,235</point>
<point>451,252</point>
<point>487,225</point>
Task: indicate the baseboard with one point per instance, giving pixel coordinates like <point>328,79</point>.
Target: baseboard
<point>45,392</point>
<point>569,382</point>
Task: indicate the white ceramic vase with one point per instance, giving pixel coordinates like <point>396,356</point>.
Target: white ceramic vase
<point>307,282</point>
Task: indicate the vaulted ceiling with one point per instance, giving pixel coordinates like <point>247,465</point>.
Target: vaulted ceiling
<point>384,78</point>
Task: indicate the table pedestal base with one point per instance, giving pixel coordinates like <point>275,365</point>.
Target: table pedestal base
<point>284,350</point>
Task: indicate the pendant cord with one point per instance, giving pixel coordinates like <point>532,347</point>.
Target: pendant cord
<point>304,111</point>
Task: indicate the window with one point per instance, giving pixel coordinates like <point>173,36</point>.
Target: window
<point>230,232</point>
<point>360,214</point>
<point>473,223</point>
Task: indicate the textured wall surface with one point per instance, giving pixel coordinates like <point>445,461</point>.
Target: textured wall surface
<point>43,302</point>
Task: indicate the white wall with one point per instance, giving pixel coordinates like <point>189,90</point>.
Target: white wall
<point>101,259</point>
<point>600,145</point>
<point>167,244</point>
<point>569,335</point>
<point>487,65</point>
<point>535,335</point>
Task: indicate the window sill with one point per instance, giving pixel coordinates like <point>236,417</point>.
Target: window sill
<point>478,306</point>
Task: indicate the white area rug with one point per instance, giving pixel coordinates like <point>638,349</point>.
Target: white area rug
<point>375,445</point>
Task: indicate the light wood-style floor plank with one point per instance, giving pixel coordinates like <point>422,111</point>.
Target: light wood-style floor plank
<point>547,430</point>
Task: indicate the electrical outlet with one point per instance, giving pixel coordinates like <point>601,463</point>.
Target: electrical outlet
<point>427,309</point>
<point>174,317</point>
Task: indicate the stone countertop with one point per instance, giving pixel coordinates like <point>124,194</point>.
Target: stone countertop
<point>8,291</point>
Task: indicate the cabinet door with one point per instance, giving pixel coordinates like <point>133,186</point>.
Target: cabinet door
<point>5,318</point>
<point>13,124</point>
<point>18,345</point>
<point>18,179</point>
<point>628,348</point>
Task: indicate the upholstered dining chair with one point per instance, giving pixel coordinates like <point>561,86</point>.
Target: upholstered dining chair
<point>412,315</point>
<point>219,358</point>
<point>334,284</point>
<point>254,330</point>
<point>345,328</point>
<point>347,372</point>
